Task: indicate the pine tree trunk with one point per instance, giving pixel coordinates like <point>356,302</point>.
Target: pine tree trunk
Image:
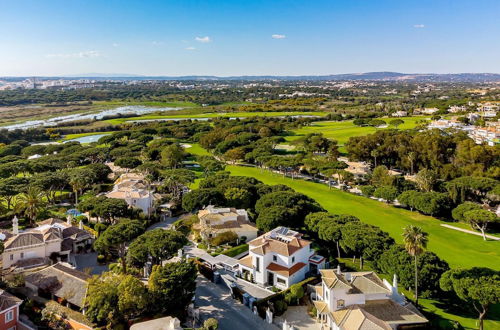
<point>338,250</point>
<point>416,282</point>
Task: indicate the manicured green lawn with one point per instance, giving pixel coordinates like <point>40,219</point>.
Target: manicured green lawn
<point>217,115</point>
<point>79,135</point>
<point>177,104</point>
<point>457,248</point>
<point>196,149</point>
<point>343,130</point>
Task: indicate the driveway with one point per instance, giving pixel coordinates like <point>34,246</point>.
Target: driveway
<point>215,301</point>
<point>85,261</point>
<point>163,224</point>
<point>298,317</point>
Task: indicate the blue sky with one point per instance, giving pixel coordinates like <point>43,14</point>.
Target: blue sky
<point>240,37</point>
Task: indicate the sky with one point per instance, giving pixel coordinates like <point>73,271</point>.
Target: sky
<point>240,37</point>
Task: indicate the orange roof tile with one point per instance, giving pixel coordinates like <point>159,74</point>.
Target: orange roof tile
<point>285,271</point>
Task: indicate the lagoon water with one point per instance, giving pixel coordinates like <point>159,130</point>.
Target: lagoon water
<point>132,109</point>
<point>88,138</point>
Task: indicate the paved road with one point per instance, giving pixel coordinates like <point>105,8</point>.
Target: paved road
<point>163,224</point>
<point>89,261</point>
<point>215,301</point>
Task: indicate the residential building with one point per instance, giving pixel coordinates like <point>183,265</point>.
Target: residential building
<point>484,107</point>
<point>162,323</point>
<point>429,111</point>
<point>9,311</point>
<point>489,135</point>
<point>361,300</point>
<point>214,221</point>
<point>132,188</point>
<point>456,109</point>
<point>445,123</point>
<point>61,283</point>
<point>359,169</point>
<point>488,110</point>
<point>280,258</point>
<point>400,113</point>
<point>33,247</point>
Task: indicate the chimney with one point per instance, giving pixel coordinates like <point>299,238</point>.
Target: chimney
<point>80,224</point>
<point>15,226</point>
<point>338,270</point>
<point>395,282</point>
<point>69,218</point>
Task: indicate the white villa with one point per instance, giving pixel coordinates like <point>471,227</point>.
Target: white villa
<point>361,300</point>
<point>214,221</point>
<point>400,113</point>
<point>280,258</point>
<point>429,111</point>
<point>131,188</point>
<point>31,248</point>
<point>457,109</point>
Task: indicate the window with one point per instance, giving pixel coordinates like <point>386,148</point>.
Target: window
<point>11,257</point>
<point>340,303</point>
<point>9,316</point>
<point>257,264</point>
<point>326,294</point>
<point>293,260</point>
<point>280,280</point>
<point>22,255</point>
<point>275,258</point>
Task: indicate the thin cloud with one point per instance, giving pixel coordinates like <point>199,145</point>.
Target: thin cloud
<point>278,36</point>
<point>157,43</point>
<point>115,44</point>
<point>203,39</point>
<point>85,54</point>
<point>190,48</point>
<point>419,26</point>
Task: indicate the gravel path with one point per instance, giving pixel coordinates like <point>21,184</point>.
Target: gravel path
<point>471,232</point>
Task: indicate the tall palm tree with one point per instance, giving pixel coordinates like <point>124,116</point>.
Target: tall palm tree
<point>415,240</point>
<point>30,203</point>
<point>411,157</point>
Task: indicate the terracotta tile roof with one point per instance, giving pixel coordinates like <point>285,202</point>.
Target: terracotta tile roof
<point>368,282</point>
<point>355,318</point>
<point>246,261</point>
<point>363,282</point>
<point>62,281</point>
<point>319,290</point>
<point>285,271</point>
<point>74,232</point>
<point>393,313</point>
<point>374,315</point>
<point>267,244</point>
<point>24,239</point>
<point>333,280</point>
<point>50,222</point>
<point>321,307</point>
<point>7,300</point>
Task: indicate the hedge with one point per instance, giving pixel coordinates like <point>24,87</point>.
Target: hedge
<point>234,251</point>
<point>65,312</point>
<point>263,303</point>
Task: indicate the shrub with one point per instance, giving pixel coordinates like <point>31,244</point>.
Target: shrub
<point>223,238</point>
<point>280,306</point>
<point>295,293</point>
<point>387,193</point>
<point>367,190</point>
<point>233,252</point>
<point>211,324</point>
<point>101,259</point>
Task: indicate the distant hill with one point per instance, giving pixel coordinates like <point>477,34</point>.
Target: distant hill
<point>372,76</point>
